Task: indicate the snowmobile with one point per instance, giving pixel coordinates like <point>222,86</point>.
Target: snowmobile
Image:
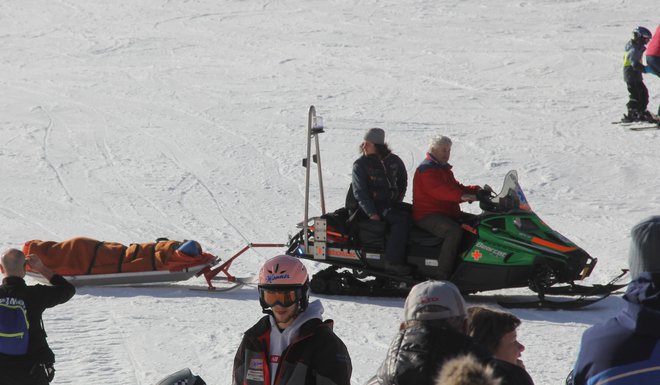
<point>506,246</point>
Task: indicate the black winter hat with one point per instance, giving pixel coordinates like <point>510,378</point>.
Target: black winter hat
<point>645,247</point>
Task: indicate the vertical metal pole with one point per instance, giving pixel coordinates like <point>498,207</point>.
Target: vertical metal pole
<point>318,163</point>
<point>310,118</point>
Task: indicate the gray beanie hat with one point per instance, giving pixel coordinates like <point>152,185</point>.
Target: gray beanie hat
<point>431,300</point>
<point>644,253</point>
<point>375,136</point>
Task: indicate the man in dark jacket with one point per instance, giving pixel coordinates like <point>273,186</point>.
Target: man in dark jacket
<point>436,198</point>
<point>379,183</point>
<point>35,366</point>
<point>626,348</point>
<point>292,345</point>
<point>434,331</point>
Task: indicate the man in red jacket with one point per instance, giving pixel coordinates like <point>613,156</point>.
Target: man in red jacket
<point>436,198</point>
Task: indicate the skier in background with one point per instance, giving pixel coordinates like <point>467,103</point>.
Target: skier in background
<point>633,68</point>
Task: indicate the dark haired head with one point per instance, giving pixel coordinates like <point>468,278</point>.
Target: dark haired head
<point>487,327</point>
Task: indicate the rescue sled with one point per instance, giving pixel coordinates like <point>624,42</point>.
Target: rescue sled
<point>90,262</point>
<point>506,246</point>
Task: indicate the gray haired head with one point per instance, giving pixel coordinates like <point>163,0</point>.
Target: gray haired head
<point>439,140</point>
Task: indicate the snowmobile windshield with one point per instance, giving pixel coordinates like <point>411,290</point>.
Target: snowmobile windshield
<point>511,197</point>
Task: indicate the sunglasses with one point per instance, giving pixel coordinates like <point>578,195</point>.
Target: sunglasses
<point>285,297</point>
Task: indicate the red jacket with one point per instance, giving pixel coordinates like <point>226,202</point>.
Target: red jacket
<point>315,357</point>
<point>436,191</point>
<point>653,49</point>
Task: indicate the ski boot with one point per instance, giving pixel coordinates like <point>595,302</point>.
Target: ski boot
<point>627,119</point>
<point>632,116</point>
<point>649,117</point>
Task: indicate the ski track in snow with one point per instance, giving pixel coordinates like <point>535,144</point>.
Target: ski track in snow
<point>127,121</point>
<point>48,158</point>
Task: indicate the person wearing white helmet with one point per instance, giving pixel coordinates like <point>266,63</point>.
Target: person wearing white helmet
<point>292,344</point>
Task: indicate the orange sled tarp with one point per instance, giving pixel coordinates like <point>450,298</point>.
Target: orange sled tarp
<point>83,256</point>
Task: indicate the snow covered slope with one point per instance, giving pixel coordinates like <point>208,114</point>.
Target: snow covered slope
<point>131,120</point>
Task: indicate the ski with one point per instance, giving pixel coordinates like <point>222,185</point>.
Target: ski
<point>547,304</point>
<point>644,127</point>
<point>639,126</point>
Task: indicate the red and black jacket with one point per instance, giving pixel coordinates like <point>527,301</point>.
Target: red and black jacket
<point>436,191</point>
<point>316,357</point>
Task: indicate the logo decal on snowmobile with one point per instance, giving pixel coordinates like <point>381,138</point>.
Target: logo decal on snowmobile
<point>495,252</point>
<point>476,255</point>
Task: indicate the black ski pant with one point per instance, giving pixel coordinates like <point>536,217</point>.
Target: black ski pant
<point>23,374</point>
<point>638,96</point>
<point>399,222</point>
<point>451,232</point>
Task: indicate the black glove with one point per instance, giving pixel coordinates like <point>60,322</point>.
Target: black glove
<point>485,194</point>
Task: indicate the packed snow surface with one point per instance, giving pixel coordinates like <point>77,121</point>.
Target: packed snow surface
<point>131,120</point>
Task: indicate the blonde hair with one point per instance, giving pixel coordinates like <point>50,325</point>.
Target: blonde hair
<point>466,370</point>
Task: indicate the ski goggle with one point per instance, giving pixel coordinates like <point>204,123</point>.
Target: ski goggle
<point>282,297</point>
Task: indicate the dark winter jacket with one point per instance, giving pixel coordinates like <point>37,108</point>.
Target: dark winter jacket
<point>633,67</point>
<point>378,183</point>
<point>436,191</point>
<point>511,374</point>
<point>316,357</point>
<point>626,348</point>
<point>37,298</point>
<point>417,353</point>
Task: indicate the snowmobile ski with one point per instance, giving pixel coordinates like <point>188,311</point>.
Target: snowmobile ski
<point>588,295</point>
<point>547,304</point>
<point>597,289</point>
